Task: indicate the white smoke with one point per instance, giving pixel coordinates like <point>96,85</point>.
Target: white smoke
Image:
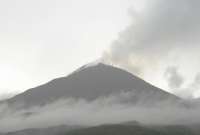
<point>165,33</point>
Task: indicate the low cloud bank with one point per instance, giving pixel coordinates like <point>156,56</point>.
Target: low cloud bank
<point>101,111</point>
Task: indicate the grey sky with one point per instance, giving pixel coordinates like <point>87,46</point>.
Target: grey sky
<point>44,39</point>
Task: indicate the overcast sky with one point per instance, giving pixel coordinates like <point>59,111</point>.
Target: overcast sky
<point>44,39</point>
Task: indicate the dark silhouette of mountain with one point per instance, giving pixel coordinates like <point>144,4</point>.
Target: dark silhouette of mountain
<point>195,128</point>
<point>113,129</point>
<point>91,82</point>
<point>132,130</point>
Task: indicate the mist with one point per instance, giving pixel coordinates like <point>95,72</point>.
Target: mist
<point>104,110</point>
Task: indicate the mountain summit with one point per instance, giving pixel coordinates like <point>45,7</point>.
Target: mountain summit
<point>91,82</point>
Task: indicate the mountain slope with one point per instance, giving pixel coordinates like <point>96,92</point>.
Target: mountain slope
<point>90,83</point>
<point>115,129</point>
<point>132,130</point>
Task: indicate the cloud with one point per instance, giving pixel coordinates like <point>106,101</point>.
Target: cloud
<point>174,79</point>
<point>101,111</point>
<point>6,95</point>
<point>164,33</point>
<point>193,89</point>
<point>175,82</point>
